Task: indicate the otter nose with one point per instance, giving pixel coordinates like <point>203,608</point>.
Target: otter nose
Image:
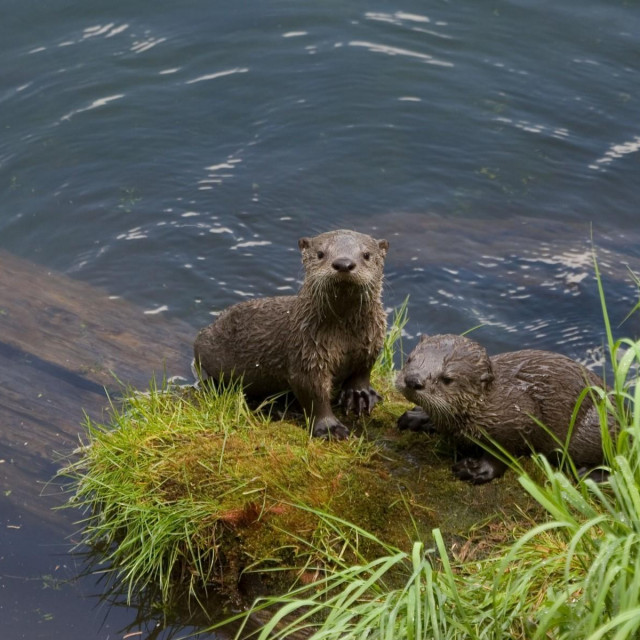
<point>343,264</point>
<point>413,382</point>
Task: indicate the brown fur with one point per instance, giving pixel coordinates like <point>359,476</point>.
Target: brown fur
<point>467,393</point>
<point>321,341</point>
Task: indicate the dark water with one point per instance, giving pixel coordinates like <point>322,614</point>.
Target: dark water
<point>174,152</point>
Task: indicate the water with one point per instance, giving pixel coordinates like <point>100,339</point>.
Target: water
<point>173,154</point>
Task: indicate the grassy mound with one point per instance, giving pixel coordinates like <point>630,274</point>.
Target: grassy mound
<point>193,488</point>
<point>187,483</point>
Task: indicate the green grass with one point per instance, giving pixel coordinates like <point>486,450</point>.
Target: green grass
<point>361,601</point>
<point>384,370</point>
<point>572,574</point>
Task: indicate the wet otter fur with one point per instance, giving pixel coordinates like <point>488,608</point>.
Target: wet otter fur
<point>319,343</point>
<point>463,392</point>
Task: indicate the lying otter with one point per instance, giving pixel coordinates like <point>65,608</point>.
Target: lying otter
<point>464,392</point>
<point>320,342</point>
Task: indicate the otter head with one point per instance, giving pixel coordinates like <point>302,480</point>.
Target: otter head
<point>446,375</point>
<point>336,262</point>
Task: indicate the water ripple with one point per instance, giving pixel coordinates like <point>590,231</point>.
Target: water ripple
<point>217,173</point>
<point>397,51</point>
<point>108,31</point>
<point>218,74</point>
<point>395,18</point>
<point>250,244</point>
<point>100,102</point>
<point>144,45</point>
<point>617,151</point>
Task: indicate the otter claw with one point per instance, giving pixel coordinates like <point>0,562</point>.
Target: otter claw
<point>359,400</point>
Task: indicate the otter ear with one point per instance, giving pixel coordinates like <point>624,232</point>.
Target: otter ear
<point>304,243</point>
<point>424,336</point>
<point>384,246</point>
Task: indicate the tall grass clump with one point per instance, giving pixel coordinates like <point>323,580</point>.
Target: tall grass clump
<point>133,482</point>
<point>595,590</point>
<point>573,574</point>
<point>396,595</point>
<point>385,366</point>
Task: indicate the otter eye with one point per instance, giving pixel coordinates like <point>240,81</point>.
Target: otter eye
<point>446,380</point>
<point>320,255</point>
<point>366,255</point>
<point>408,360</point>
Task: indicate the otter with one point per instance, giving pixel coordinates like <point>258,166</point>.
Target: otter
<point>320,343</point>
<point>463,392</point>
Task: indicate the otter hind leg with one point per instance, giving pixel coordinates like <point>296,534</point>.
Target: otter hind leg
<point>479,470</point>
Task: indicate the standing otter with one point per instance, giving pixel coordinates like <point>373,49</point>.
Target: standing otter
<point>320,341</point>
<point>464,392</point>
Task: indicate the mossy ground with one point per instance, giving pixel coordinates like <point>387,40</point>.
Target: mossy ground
<point>194,488</point>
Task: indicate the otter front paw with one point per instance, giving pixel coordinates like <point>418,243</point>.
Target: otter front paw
<point>329,428</point>
<point>359,400</point>
<point>479,470</point>
<point>416,420</point>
